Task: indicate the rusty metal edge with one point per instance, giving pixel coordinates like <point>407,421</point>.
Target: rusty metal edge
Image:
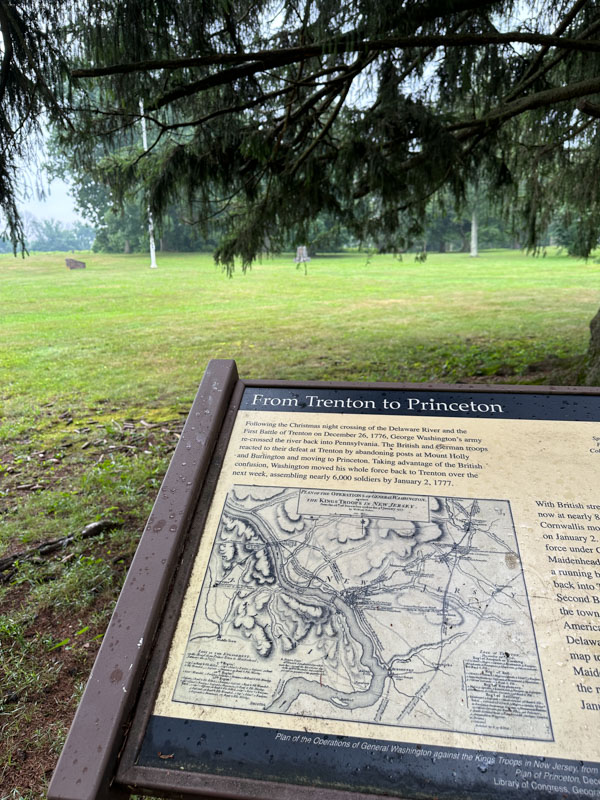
<point>88,760</point>
<point>434,387</point>
<point>210,786</point>
<point>162,647</point>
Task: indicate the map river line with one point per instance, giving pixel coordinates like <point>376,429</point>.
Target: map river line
<point>389,609</point>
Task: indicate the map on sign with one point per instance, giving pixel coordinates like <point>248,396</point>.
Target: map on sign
<point>390,609</point>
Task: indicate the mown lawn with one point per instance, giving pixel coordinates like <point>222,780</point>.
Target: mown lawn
<point>123,331</point>
<point>99,366</point>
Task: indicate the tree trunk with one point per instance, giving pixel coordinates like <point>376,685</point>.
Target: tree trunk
<point>474,236</point>
<point>593,373</point>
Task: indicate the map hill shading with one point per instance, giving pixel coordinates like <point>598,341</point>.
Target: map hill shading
<point>399,610</point>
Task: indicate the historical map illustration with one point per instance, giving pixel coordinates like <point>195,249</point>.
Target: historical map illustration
<point>389,609</point>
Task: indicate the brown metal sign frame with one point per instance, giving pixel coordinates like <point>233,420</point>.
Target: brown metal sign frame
<point>98,761</point>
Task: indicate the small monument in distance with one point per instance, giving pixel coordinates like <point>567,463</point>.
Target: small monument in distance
<point>302,256</point>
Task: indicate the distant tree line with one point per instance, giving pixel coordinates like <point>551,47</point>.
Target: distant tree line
<point>125,230</point>
<point>50,235</point>
<point>120,223</point>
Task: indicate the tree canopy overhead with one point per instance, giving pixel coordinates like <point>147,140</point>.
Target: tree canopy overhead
<point>266,114</point>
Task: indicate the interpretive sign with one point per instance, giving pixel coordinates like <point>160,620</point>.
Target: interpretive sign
<point>384,590</point>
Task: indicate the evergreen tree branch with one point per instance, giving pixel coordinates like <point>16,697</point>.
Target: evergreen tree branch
<point>7,55</point>
<point>544,69</point>
<point>560,29</point>
<point>543,99</point>
<point>261,60</point>
<point>323,132</point>
<point>590,109</point>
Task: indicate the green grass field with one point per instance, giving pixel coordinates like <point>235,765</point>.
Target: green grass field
<point>121,330</point>
<point>99,366</point>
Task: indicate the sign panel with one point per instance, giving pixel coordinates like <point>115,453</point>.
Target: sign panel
<point>397,592</point>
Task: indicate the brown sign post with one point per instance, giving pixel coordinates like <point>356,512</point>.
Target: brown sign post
<point>358,590</point>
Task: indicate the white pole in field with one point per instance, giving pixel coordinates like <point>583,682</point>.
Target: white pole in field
<point>474,235</point>
<point>153,264</point>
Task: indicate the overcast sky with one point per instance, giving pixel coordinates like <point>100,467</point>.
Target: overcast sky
<point>57,205</point>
